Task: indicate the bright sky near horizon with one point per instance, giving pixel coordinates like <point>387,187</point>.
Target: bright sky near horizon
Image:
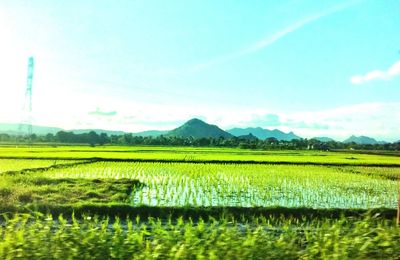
<point>318,68</point>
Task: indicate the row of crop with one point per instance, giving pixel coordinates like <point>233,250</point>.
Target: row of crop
<point>185,184</point>
<point>200,155</point>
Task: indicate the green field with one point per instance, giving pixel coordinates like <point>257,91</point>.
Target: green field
<point>196,203</point>
<point>183,154</point>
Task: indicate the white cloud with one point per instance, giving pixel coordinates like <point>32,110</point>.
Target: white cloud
<point>378,120</point>
<point>393,71</point>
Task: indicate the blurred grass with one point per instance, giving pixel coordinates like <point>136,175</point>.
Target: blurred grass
<point>51,237</point>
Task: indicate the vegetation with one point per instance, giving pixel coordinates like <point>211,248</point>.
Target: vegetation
<point>28,190</point>
<point>195,203</point>
<point>184,139</point>
<point>199,155</point>
<point>29,237</point>
<point>9,165</point>
<point>245,185</point>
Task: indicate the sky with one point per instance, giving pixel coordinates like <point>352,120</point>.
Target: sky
<point>317,68</point>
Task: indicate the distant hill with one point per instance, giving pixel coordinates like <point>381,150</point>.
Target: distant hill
<point>197,129</point>
<point>360,140</point>
<point>323,139</point>
<point>263,134</point>
<point>152,133</point>
<point>98,131</point>
<point>194,127</point>
<point>249,137</point>
<point>148,133</point>
<point>13,129</point>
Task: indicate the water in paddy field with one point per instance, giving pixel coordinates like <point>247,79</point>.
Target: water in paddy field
<point>180,184</point>
<point>187,196</point>
<point>244,193</point>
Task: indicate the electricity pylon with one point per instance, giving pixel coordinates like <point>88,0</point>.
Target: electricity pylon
<point>26,121</point>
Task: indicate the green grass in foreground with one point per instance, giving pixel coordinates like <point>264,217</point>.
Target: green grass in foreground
<point>28,190</point>
<point>28,237</point>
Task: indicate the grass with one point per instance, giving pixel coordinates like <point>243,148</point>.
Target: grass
<point>31,190</point>
<point>123,210</point>
<point>46,237</point>
<point>15,165</point>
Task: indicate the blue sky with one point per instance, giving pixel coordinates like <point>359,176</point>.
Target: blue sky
<point>313,67</point>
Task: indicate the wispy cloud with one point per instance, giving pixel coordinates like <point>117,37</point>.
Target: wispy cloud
<point>393,71</point>
<point>98,112</point>
<point>271,39</point>
<point>266,120</point>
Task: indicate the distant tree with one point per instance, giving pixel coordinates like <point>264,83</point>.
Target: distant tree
<point>64,137</point>
<point>49,137</point>
<point>396,146</point>
<point>103,139</point>
<point>5,137</point>
<point>272,140</point>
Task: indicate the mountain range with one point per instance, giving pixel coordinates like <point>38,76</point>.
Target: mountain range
<point>362,140</point>
<point>323,139</point>
<point>263,134</point>
<point>195,128</point>
<point>14,129</point>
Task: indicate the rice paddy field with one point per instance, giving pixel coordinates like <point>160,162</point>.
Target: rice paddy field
<point>197,203</point>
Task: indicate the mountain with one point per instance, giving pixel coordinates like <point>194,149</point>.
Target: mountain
<point>249,137</point>
<point>14,129</point>
<point>360,140</point>
<point>197,129</point>
<point>263,134</point>
<point>323,139</point>
<point>152,133</point>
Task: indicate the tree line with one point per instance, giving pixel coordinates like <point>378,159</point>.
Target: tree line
<point>92,138</point>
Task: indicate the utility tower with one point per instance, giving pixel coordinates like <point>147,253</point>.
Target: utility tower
<point>26,121</point>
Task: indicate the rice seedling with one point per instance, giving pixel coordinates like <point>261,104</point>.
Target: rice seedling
<point>190,154</point>
<point>185,184</point>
